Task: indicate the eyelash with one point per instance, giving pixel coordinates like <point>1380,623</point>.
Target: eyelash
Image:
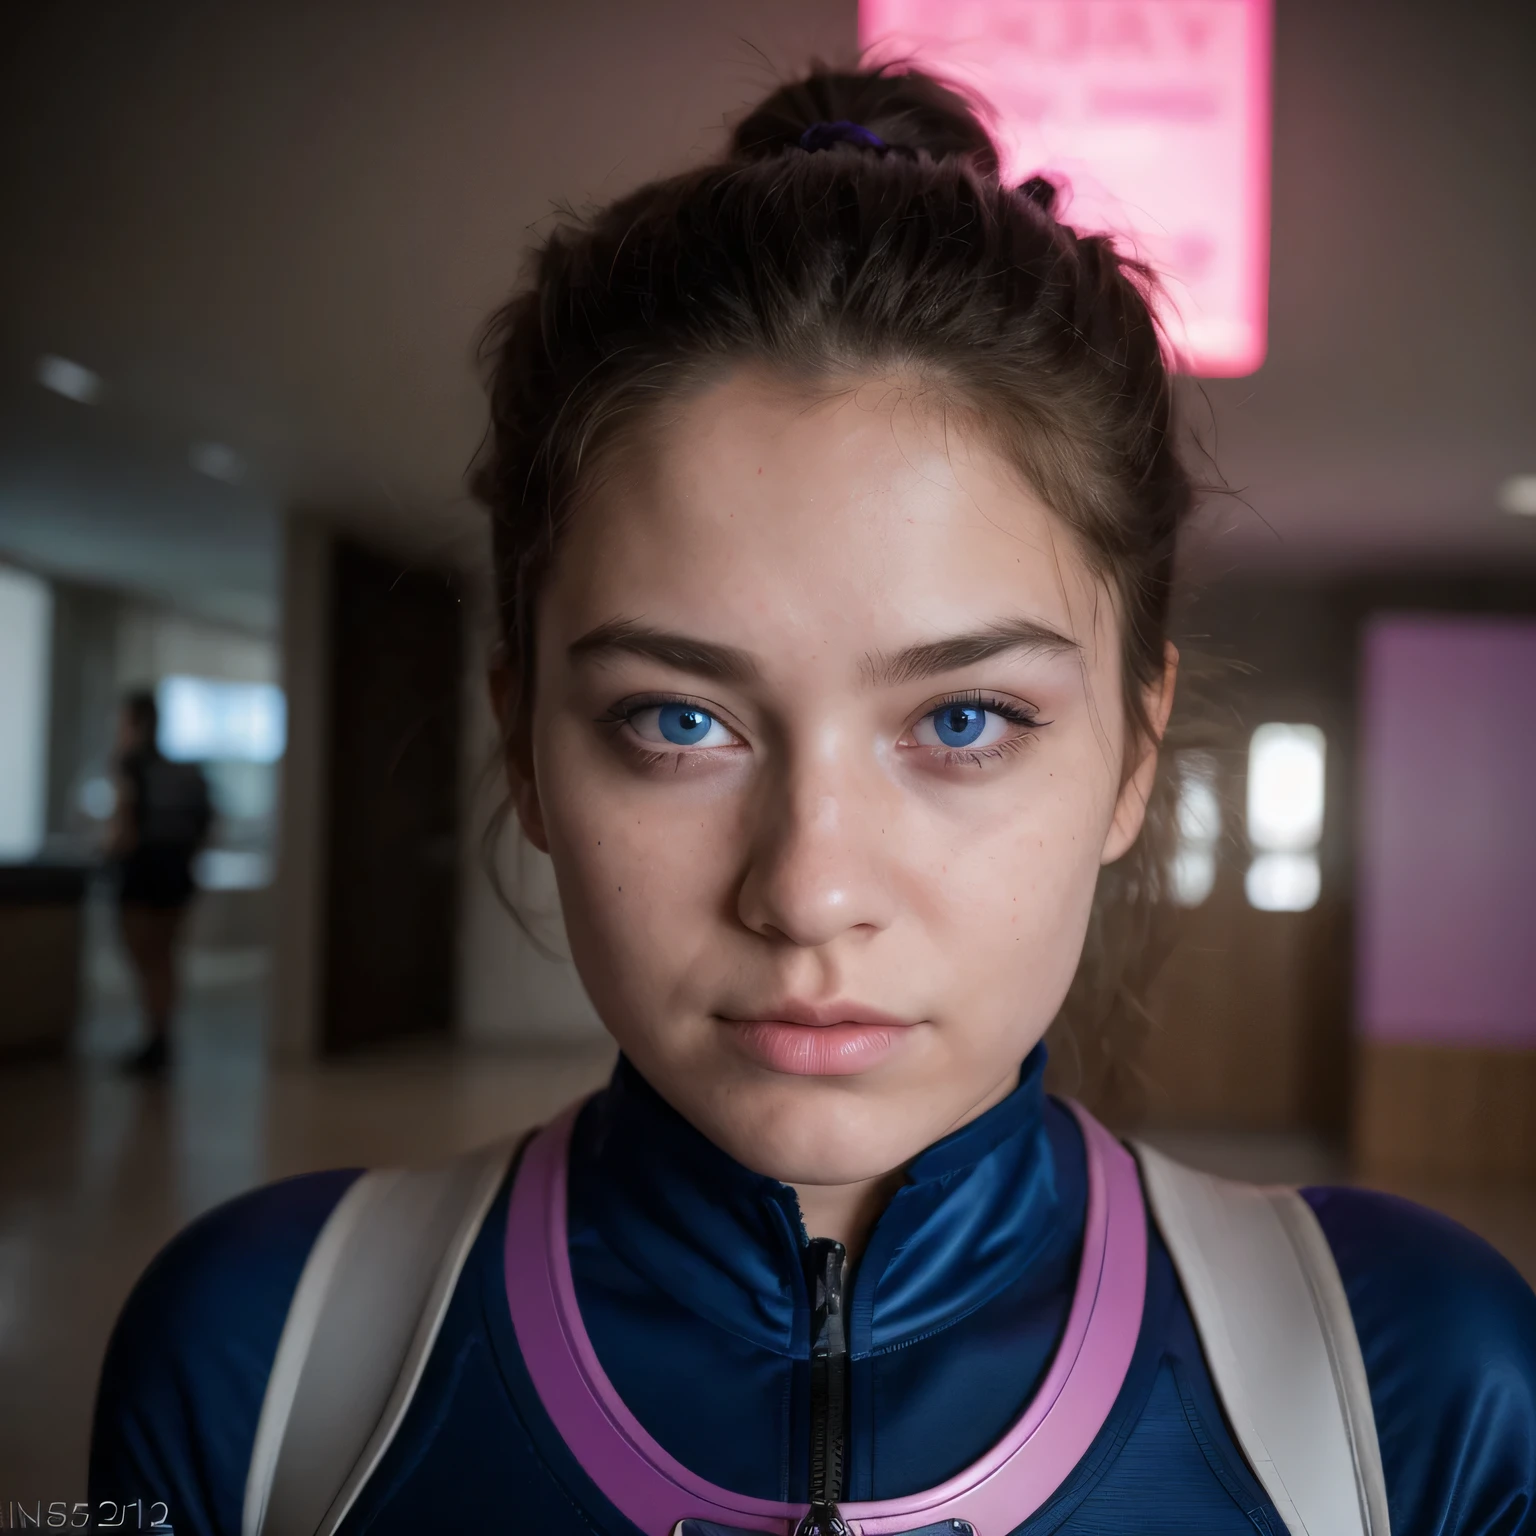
<point>625,710</point>
<point>1023,716</point>
<point>622,713</point>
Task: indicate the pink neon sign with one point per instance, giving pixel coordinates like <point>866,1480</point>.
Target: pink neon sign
<point>1154,113</point>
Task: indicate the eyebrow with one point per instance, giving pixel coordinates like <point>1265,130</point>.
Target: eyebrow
<point>704,658</point>
<point>729,664</point>
<point>934,657</point>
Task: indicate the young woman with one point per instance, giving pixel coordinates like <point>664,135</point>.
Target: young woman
<point>834,492</point>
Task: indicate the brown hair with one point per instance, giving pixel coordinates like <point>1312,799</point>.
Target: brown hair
<point>895,249</point>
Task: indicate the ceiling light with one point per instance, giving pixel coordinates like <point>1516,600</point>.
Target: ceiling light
<point>1518,495</point>
<point>69,379</point>
<point>218,462</point>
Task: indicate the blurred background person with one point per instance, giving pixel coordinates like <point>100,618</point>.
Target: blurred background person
<point>162,818</point>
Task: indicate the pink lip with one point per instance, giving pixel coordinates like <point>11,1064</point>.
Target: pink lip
<point>818,1040</point>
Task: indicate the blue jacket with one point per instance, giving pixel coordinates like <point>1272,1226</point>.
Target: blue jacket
<point>689,1276</point>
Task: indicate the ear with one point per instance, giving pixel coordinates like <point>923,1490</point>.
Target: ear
<point>517,753</point>
<point>1131,805</point>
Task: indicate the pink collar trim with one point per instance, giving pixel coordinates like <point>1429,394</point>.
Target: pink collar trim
<point>993,1494</point>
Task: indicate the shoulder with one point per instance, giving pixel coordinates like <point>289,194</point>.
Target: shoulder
<point>186,1369</point>
<point>245,1253</point>
<point>1402,1262</point>
<point>1447,1329</point>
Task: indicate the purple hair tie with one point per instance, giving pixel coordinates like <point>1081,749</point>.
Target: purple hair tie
<point>825,135</point>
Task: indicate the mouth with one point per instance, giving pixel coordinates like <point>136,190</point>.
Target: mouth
<point>817,1039</point>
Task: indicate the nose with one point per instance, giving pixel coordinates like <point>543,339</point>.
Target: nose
<point>819,862</point>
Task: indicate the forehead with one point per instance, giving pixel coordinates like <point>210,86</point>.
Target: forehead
<point>789,520</point>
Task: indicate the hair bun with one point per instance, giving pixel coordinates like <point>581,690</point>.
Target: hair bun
<point>904,108</point>
<point>1042,193</point>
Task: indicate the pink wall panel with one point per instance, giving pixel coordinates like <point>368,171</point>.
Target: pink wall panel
<point>1446,939</point>
<point>1155,113</point>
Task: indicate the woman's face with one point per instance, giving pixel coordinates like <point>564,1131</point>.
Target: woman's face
<point>827,749</point>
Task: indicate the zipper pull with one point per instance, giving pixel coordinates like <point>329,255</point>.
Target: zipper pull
<point>825,1262</point>
<point>822,1520</point>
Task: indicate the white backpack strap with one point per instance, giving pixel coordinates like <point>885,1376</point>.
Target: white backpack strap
<point>369,1303</point>
<point>1276,1329</point>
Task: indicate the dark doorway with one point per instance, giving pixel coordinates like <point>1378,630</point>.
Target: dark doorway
<point>396,649</point>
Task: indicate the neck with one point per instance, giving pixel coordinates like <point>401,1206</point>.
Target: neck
<point>847,1213</point>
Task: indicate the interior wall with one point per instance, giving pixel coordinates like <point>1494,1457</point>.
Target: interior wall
<point>304,791</point>
<point>1447,873</point>
<point>1255,1018</point>
<point>1251,1016</point>
<point>155,642</point>
<point>1447,880</point>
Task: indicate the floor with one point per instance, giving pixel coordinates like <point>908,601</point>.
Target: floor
<point>98,1170</point>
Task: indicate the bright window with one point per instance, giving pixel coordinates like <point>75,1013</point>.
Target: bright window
<point>1285,817</point>
<point>26,635</point>
<point>233,869</point>
<point>205,720</point>
<point>1154,112</point>
<point>1199,827</point>
<point>1283,882</point>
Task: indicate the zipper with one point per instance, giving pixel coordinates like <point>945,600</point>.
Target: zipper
<point>825,1263</point>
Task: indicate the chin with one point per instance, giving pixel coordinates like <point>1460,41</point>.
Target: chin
<point>814,1130</point>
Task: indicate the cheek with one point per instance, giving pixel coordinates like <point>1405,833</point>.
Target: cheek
<point>1013,892</point>
<point>642,873</point>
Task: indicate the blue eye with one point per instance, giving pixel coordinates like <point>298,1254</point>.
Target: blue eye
<point>682,724</point>
<point>961,724</point>
<point>679,725</point>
